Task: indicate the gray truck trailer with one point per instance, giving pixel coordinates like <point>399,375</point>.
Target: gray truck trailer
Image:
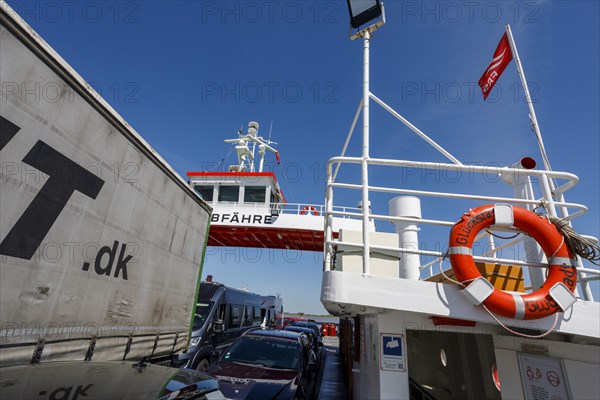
<point>101,241</point>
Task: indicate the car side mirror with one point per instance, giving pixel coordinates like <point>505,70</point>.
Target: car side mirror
<point>216,354</point>
<point>218,326</point>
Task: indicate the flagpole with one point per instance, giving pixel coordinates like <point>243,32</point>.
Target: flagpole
<point>532,115</point>
<point>552,184</point>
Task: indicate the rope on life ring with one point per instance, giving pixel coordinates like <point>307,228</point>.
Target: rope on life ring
<point>561,271</point>
<point>309,210</point>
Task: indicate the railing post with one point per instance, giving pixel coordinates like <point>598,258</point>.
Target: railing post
<point>547,193</point>
<point>365,156</point>
<point>584,285</point>
<point>492,245</point>
<point>523,189</point>
<point>552,212</point>
<point>328,219</point>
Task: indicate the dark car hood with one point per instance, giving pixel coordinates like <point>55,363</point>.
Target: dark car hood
<point>254,382</point>
<point>93,380</point>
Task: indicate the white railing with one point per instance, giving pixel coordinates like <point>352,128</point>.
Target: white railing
<point>306,208</point>
<point>553,201</point>
<point>288,208</point>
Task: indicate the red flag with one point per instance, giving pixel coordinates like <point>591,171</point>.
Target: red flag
<point>502,58</point>
<point>277,157</point>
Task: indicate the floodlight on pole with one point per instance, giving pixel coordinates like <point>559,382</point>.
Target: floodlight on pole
<point>366,16</point>
<point>362,13</point>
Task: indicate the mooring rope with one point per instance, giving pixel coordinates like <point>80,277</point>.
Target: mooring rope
<point>582,246</point>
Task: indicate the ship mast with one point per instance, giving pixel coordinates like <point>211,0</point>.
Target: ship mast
<point>246,145</point>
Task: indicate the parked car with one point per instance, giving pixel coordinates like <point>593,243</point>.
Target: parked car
<point>222,315</point>
<point>311,325</point>
<point>105,380</point>
<point>315,342</point>
<point>267,364</point>
<point>281,323</point>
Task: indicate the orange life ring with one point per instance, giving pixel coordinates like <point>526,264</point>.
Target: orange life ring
<point>309,210</point>
<point>538,304</point>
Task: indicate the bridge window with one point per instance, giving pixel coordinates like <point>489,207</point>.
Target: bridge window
<point>229,193</point>
<point>206,192</point>
<point>254,194</point>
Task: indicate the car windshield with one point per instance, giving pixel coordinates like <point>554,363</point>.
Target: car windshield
<point>202,311</point>
<point>265,351</point>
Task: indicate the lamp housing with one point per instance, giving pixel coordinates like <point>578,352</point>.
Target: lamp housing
<point>363,11</point>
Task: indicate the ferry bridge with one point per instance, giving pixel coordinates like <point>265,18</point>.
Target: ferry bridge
<point>250,210</point>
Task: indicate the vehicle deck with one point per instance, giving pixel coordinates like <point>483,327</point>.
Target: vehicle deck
<point>330,381</point>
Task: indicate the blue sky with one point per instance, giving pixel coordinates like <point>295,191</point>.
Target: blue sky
<point>187,75</point>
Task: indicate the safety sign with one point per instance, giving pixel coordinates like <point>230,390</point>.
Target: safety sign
<point>392,352</point>
<point>543,378</point>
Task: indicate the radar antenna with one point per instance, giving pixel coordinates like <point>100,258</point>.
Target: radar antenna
<point>246,145</point>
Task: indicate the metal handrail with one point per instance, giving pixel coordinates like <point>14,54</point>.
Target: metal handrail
<point>547,199</point>
<point>398,251</point>
<point>290,208</point>
<point>571,178</point>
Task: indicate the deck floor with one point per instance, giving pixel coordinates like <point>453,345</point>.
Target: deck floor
<point>330,384</point>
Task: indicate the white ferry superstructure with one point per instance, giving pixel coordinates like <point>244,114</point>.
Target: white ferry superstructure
<point>250,209</point>
<point>411,327</point>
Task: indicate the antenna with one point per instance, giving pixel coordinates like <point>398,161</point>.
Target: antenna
<point>245,146</point>
<point>270,130</point>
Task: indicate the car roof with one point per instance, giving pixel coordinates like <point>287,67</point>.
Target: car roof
<point>278,334</point>
<point>295,328</point>
<point>305,323</point>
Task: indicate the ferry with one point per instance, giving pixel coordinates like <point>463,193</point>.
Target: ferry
<point>464,321</point>
<point>432,330</point>
<point>420,330</point>
<point>250,209</point>
<point>502,310</point>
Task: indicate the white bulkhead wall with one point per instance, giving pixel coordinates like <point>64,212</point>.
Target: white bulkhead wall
<point>580,363</point>
<point>370,381</point>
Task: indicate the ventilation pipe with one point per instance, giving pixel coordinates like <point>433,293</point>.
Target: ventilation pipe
<point>408,238</point>
<point>523,189</point>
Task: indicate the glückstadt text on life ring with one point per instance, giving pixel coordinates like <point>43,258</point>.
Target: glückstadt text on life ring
<point>538,304</point>
<point>309,210</point>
